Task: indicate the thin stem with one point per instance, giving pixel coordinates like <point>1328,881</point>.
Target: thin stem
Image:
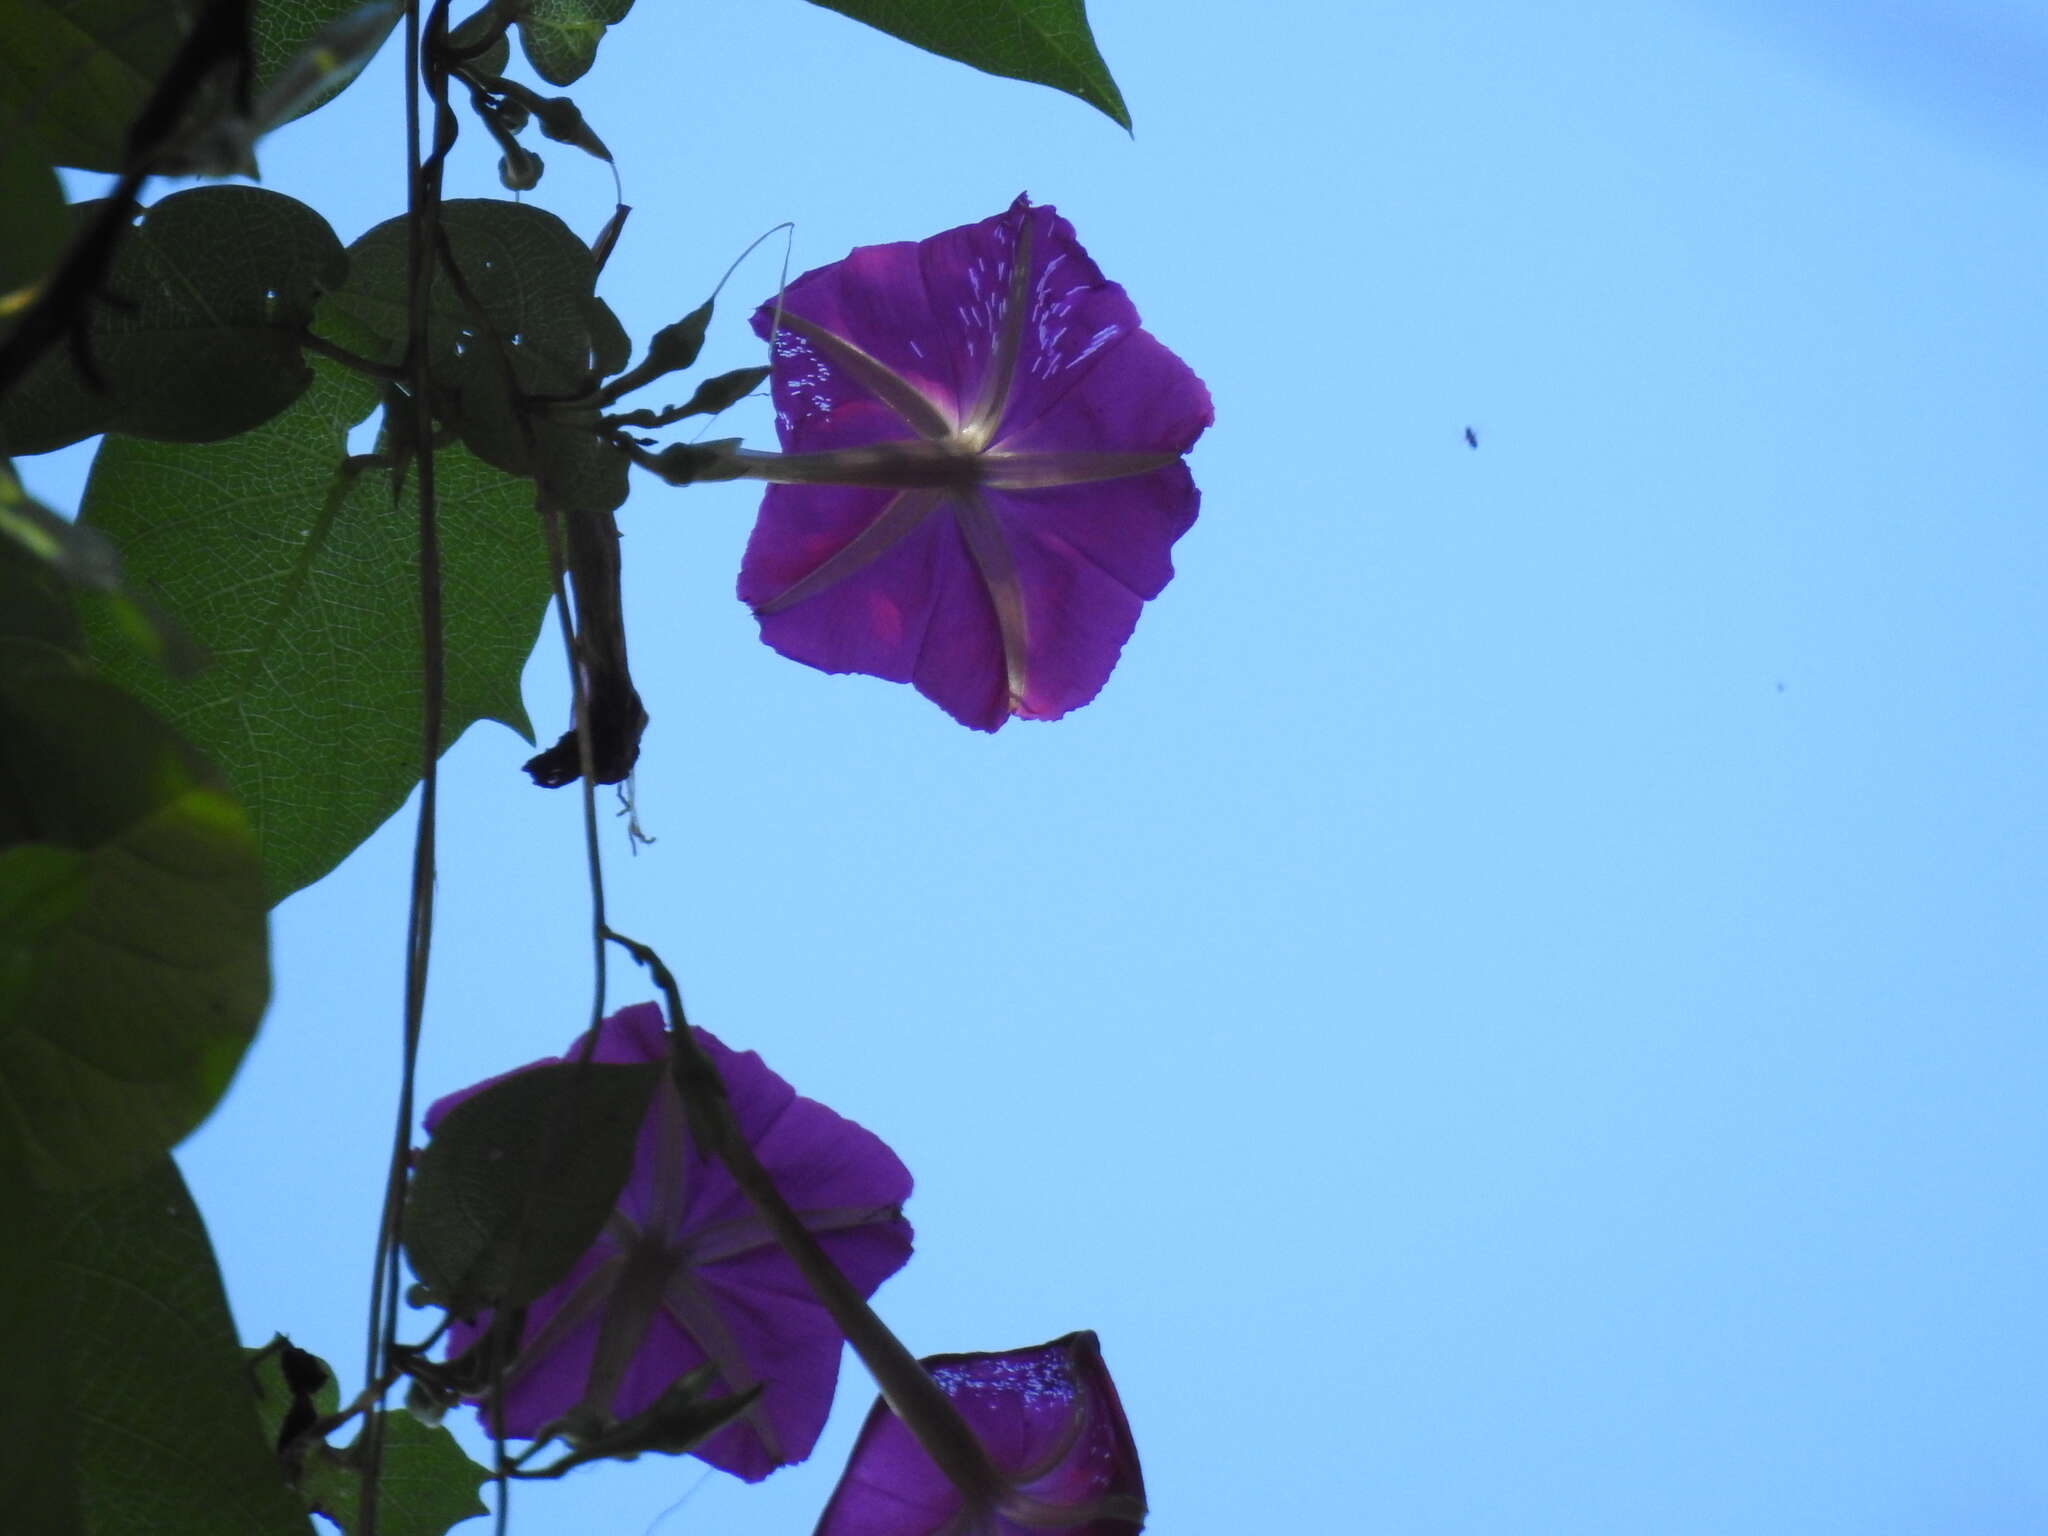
<point>907,1387</point>
<point>423,185</point>
<point>586,751</point>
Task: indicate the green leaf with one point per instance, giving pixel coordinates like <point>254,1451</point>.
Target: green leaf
<point>427,1483</point>
<point>39,1452</point>
<point>518,1180</point>
<point>41,554</point>
<point>311,50</point>
<point>1044,41</point>
<point>37,223</point>
<point>35,593</point>
<point>277,1375</point>
<point>298,573</point>
<point>530,331</point>
<point>78,555</point>
<point>76,72</point>
<point>133,958</point>
<point>561,36</point>
<point>197,336</point>
<point>131,1379</point>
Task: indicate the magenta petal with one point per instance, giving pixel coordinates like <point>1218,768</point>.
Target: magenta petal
<point>684,1274</point>
<point>928,310</point>
<point>1003,348</point>
<point>1051,1422</point>
<point>1135,396</point>
<point>1087,558</point>
<point>917,613</point>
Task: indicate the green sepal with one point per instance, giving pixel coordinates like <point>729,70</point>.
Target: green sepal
<point>675,1423</point>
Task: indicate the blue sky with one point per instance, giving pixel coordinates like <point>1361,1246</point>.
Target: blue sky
<point>1519,1008</point>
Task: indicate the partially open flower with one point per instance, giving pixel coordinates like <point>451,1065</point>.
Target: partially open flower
<point>685,1275</point>
<point>1053,1428</point>
<point>983,477</point>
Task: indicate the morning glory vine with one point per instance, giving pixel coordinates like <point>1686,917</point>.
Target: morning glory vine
<point>651,1244</point>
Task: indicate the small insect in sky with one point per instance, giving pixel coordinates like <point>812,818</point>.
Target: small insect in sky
<point>1471,438</point>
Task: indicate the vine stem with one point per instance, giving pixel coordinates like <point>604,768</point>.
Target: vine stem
<point>905,1385</point>
<point>423,199</point>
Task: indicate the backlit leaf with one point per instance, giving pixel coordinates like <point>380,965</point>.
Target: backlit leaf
<point>561,36</point>
<point>1044,41</point>
<point>312,705</point>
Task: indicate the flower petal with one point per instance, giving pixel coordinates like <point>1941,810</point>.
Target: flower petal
<point>1015,593</point>
<point>1087,558</point>
<point>1050,1420</point>
<point>918,611</point>
<point>821,403</point>
<point>741,1304</point>
<point>928,310</point>
<point>631,1035</point>
<point>1128,397</point>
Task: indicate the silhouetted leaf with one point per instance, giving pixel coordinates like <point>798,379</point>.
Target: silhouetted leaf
<point>517,1181</point>
<point>531,332</point>
<point>37,224</point>
<point>529,328</point>
<point>196,336</point>
<point>312,706</point>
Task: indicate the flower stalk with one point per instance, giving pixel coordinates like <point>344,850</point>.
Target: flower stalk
<point>904,1384</point>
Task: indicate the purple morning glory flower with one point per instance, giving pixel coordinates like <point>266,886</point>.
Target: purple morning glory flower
<point>983,477</point>
<point>684,1274</point>
<point>1051,1423</point>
